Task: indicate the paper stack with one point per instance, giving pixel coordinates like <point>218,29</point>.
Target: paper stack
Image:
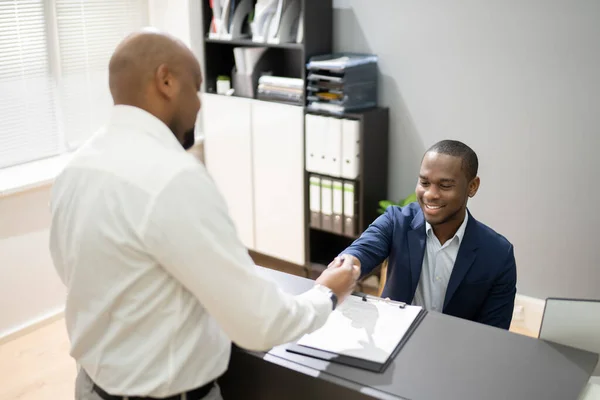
<point>281,89</point>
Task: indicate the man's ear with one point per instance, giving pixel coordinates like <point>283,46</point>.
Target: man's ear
<point>165,82</point>
<point>474,186</point>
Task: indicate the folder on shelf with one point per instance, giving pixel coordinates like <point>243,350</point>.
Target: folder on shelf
<point>247,58</point>
<point>216,20</point>
<point>314,194</point>
<point>322,133</point>
<point>250,63</point>
<point>326,204</point>
<point>349,212</point>
<point>313,140</point>
<point>276,21</point>
<point>363,332</point>
<point>232,6</point>
<point>333,147</point>
<point>264,12</point>
<point>300,30</point>
<point>284,27</point>
<point>338,211</point>
<point>324,145</point>
<point>350,148</point>
<point>229,19</point>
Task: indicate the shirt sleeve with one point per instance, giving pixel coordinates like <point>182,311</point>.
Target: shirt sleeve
<point>373,245</point>
<point>189,232</point>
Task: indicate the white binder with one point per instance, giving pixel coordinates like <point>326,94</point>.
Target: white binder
<point>338,210</point>
<point>315,201</point>
<point>350,148</point>
<point>333,151</point>
<point>349,212</point>
<point>322,134</point>
<point>326,204</point>
<point>349,199</point>
<point>313,140</point>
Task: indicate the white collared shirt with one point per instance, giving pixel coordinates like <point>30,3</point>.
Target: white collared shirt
<point>158,280</point>
<point>438,263</point>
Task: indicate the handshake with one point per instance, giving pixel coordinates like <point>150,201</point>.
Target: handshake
<point>341,276</point>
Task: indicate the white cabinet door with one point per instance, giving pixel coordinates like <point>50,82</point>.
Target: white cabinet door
<point>278,158</point>
<point>228,157</point>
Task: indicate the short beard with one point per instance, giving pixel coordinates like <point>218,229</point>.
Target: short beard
<point>189,139</point>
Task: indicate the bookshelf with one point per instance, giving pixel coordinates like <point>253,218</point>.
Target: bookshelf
<point>250,43</point>
<point>285,59</point>
<point>275,221</point>
<point>370,187</point>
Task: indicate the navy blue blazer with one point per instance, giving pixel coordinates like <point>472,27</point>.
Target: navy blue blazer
<point>482,285</point>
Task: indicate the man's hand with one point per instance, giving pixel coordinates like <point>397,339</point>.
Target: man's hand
<point>344,259</point>
<point>340,276</point>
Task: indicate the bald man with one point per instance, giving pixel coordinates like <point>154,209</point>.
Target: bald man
<point>159,283</point>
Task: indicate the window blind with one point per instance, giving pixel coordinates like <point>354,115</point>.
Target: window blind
<point>28,128</point>
<point>88,32</point>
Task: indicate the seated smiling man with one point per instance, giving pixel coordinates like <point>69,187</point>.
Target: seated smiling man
<point>440,256</point>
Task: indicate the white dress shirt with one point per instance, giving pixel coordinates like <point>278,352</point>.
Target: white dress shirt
<point>158,280</point>
<point>438,263</point>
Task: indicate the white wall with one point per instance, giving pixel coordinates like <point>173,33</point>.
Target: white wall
<point>29,286</point>
<point>182,19</point>
<point>519,81</point>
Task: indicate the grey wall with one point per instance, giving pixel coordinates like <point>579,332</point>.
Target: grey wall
<point>519,81</point>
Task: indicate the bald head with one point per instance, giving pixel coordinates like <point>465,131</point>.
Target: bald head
<point>136,60</point>
<point>157,73</point>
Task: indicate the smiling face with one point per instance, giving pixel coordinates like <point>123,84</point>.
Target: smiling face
<point>443,189</point>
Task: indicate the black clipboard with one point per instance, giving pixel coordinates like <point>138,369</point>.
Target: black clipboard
<point>357,362</point>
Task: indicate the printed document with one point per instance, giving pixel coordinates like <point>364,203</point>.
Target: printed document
<point>368,330</point>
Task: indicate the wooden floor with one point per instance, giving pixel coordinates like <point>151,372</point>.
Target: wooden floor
<point>37,366</point>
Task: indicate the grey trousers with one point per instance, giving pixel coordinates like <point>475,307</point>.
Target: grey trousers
<point>84,389</point>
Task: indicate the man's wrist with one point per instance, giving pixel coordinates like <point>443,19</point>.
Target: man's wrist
<point>332,296</point>
<point>354,259</point>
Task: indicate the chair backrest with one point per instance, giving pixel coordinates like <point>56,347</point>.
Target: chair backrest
<point>574,323</point>
<point>382,277</point>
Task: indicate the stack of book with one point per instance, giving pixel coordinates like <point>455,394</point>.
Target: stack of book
<point>339,83</point>
<point>281,89</point>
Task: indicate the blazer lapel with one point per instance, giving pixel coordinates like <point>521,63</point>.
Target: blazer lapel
<point>416,249</point>
<point>464,259</point>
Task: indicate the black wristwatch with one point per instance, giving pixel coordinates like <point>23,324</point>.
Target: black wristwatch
<point>332,296</point>
<point>334,300</point>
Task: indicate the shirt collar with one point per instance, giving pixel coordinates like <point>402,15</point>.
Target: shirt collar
<point>460,233</point>
<point>141,120</point>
